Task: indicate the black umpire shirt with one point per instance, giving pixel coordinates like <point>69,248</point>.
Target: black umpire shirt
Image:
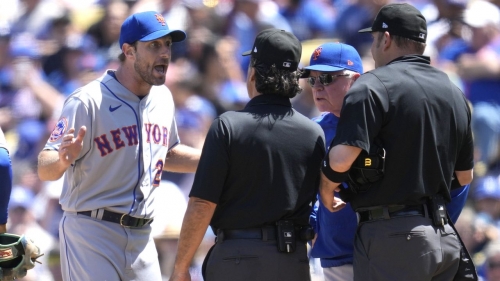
<point>260,165</point>
<point>422,120</point>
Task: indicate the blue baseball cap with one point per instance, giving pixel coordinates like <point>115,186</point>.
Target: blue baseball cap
<point>331,57</point>
<point>147,26</point>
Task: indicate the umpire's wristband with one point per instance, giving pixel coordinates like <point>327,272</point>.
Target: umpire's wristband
<point>331,174</point>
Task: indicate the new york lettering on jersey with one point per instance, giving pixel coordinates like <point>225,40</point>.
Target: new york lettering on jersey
<point>154,134</point>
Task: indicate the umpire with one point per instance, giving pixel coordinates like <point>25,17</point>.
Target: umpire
<point>422,120</point>
<point>258,174</point>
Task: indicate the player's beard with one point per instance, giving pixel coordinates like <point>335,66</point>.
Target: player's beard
<point>146,72</point>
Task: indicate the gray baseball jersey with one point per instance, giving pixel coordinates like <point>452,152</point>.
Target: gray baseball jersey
<point>124,149</point>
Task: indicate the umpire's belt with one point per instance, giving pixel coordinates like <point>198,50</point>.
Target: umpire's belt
<point>121,219</point>
<point>263,233</point>
<point>389,212</point>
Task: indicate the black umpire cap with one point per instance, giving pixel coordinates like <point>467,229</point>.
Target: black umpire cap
<point>402,20</point>
<point>278,47</point>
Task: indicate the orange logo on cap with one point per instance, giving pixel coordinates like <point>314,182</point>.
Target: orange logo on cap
<point>160,19</point>
<point>349,62</point>
<point>316,53</point>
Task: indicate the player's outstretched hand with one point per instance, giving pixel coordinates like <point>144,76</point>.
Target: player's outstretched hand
<point>71,146</point>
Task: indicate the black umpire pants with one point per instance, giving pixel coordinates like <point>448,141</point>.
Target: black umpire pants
<point>255,259</point>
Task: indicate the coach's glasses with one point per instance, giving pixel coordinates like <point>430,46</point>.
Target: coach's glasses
<point>325,79</point>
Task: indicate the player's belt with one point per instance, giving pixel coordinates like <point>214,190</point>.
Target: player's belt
<point>389,212</point>
<point>121,219</point>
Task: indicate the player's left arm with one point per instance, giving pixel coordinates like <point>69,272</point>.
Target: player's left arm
<point>182,159</point>
<point>196,220</point>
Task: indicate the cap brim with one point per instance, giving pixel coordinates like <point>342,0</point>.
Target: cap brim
<point>364,30</point>
<point>247,53</point>
<point>323,67</point>
<point>177,35</point>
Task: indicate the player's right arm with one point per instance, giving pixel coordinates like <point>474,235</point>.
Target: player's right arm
<point>65,145</point>
<point>52,164</point>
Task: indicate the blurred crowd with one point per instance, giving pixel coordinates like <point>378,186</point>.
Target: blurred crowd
<point>49,48</point>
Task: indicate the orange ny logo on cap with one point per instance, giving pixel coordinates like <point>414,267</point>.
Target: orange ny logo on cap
<point>316,53</point>
<point>160,19</point>
<point>349,62</point>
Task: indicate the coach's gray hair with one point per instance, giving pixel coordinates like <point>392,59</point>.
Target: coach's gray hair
<point>274,81</point>
<point>349,72</point>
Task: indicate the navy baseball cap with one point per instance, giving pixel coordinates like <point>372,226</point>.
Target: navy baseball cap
<point>278,47</point>
<point>402,20</point>
<point>147,26</point>
<point>331,57</point>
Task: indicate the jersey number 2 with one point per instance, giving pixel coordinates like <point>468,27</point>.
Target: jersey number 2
<point>159,170</point>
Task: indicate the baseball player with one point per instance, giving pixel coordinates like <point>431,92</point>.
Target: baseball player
<point>5,181</point>
<point>126,136</point>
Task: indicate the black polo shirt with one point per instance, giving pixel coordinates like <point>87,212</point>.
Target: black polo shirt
<point>260,165</point>
<point>422,120</point>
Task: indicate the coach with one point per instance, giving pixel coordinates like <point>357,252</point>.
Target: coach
<point>422,121</point>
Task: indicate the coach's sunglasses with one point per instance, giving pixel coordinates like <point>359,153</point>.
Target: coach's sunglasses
<point>325,79</point>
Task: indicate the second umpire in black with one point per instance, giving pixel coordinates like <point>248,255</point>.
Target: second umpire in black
<point>422,120</point>
<point>257,177</point>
